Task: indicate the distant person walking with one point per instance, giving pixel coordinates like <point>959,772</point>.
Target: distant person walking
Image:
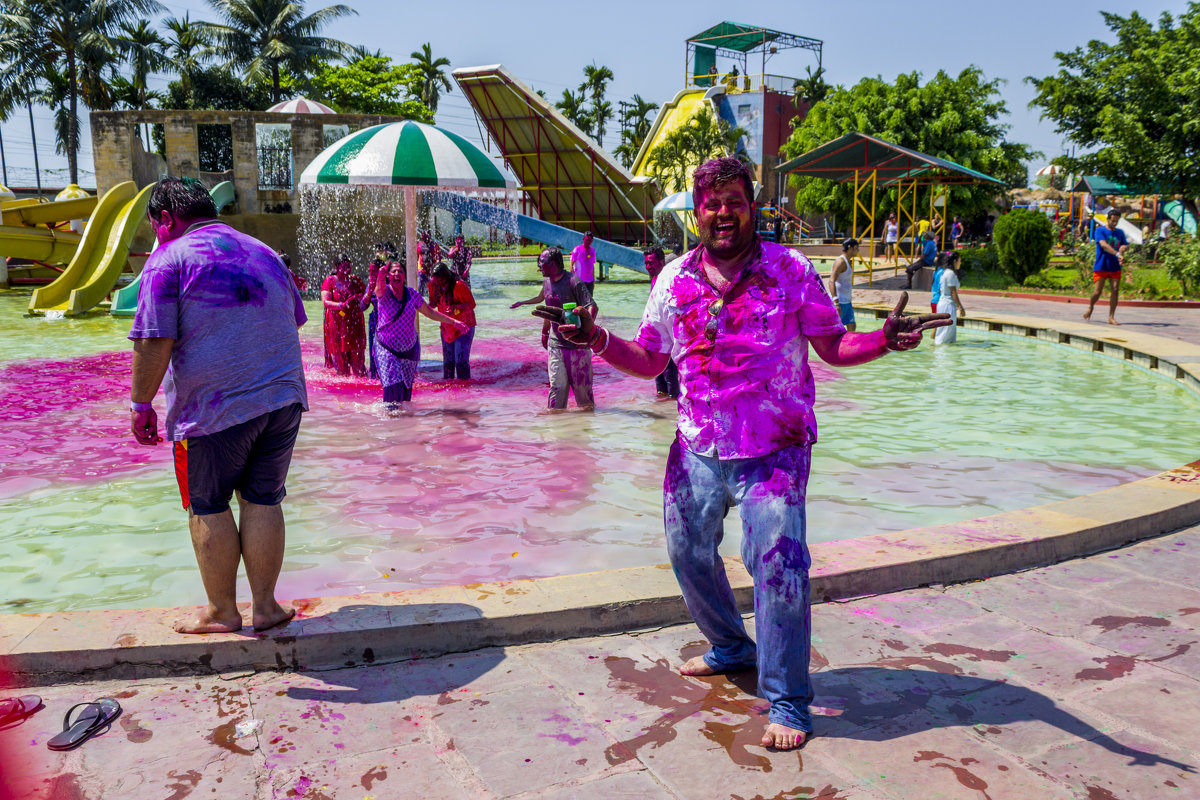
<point>891,234</point>
<point>217,317</point>
<point>583,263</point>
<point>840,281</point>
<point>956,232</point>
<point>1110,257</point>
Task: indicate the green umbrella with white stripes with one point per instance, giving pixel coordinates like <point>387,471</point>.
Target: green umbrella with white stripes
<point>407,154</point>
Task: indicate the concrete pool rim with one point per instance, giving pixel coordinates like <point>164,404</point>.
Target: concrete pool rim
<point>334,632</point>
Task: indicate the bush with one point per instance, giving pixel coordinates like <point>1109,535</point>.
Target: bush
<point>979,259</point>
<point>1023,241</point>
<point>1181,257</point>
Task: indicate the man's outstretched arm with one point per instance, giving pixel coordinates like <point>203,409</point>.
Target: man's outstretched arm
<point>898,333</point>
<point>629,357</point>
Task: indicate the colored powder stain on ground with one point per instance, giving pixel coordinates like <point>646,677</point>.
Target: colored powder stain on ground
<point>1109,624</point>
<point>1112,667</point>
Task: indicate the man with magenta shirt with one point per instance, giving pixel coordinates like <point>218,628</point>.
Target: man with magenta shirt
<point>737,316</point>
<point>217,317</point>
<point>583,263</point>
<point>1111,245</point>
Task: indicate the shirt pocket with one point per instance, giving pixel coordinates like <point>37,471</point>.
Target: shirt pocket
<point>766,312</point>
<point>689,315</point>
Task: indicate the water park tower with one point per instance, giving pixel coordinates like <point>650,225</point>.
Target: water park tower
<point>727,67</point>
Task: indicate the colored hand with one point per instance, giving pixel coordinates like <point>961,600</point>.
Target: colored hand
<point>579,334</point>
<point>904,333</point>
<point>144,425</point>
<point>517,304</point>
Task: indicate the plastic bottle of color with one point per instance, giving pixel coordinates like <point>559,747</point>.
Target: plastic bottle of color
<point>569,315</point>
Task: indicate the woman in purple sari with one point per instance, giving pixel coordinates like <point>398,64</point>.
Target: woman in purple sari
<point>397,346</point>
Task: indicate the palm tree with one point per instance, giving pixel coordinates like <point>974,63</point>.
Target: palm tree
<point>360,52</point>
<point>812,87</point>
<point>595,80</point>
<point>71,37</point>
<point>146,52</point>
<point>573,108</point>
<point>187,49</point>
<point>261,37</point>
<point>703,136</point>
<point>636,129</point>
<point>433,77</point>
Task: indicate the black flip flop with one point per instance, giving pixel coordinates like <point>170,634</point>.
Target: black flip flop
<point>96,716</point>
<point>17,709</point>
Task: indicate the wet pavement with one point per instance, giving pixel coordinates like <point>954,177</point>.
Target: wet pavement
<point>1071,681</point>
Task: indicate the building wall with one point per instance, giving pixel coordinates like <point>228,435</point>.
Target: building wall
<point>116,149</point>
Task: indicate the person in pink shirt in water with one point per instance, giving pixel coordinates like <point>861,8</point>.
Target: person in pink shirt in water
<point>737,315</point>
<point>583,263</point>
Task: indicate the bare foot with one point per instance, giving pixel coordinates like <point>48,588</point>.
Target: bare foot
<point>278,616</point>
<point>206,623</point>
<point>1112,321</point>
<point>697,667</point>
<point>1087,314</point>
<point>781,737</point>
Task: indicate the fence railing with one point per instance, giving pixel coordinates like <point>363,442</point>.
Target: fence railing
<point>275,168</point>
<point>745,83</point>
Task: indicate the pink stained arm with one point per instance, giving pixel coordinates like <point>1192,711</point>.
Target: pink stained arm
<point>850,349</point>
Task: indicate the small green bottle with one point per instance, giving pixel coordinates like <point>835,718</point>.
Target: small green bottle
<point>569,315</point>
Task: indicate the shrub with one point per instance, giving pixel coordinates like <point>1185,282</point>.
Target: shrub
<point>979,259</point>
<point>1023,241</point>
<point>1181,257</point>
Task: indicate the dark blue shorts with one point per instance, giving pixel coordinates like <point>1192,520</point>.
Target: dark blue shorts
<point>251,458</point>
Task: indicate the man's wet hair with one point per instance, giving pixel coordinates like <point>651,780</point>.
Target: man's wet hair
<point>718,172</point>
<point>182,198</point>
<point>654,250</point>
<point>849,243</point>
<point>551,254</point>
<point>285,258</point>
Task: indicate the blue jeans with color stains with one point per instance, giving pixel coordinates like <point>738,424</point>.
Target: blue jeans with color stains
<point>770,494</point>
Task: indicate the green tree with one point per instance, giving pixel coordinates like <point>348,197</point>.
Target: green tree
<point>595,83</point>
<point>263,38</point>
<point>637,128</point>
<point>218,88</point>
<point>433,77</point>
<point>957,118</point>
<point>574,107</point>
<point>145,51</point>
<point>812,87</point>
<point>187,48</point>
<point>701,137</point>
<point>373,85</point>
<point>1133,103</point>
<point>39,38</point>
<point>1023,241</point>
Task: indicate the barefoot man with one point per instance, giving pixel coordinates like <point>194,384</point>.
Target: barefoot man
<point>1110,257</point>
<point>737,315</point>
<point>217,316</point>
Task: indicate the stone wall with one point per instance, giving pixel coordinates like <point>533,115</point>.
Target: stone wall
<point>116,149</point>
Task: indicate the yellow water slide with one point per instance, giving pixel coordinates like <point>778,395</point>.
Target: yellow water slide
<point>101,255</point>
<point>670,117</point>
<point>27,229</point>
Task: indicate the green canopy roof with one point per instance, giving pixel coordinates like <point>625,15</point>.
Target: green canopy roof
<point>1094,184</point>
<point>840,159</point>
<point>743,38</point>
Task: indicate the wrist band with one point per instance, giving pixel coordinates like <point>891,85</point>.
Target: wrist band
<point>607,342</point>
<point>140,406</point>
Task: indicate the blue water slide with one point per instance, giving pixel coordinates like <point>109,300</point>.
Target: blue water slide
<point>532,228</point>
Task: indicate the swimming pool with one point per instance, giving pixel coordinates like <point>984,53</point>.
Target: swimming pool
<point>477,485</point>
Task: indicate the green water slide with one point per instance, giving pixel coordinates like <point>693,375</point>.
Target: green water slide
<point>1184,219</point>
<point>124,300</point>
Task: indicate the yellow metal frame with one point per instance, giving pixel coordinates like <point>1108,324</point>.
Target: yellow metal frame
<point>942,191</point>
<point>904,214</point>
<point>867,229</point>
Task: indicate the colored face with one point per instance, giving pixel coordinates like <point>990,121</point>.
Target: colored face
<point>166,228</point>
<point>547,265</point>
<point>654,264</point>
<point>1112,221</point>
<point>396,272</point>
<point>343,268</point>
<point>725,219</point>
<point>587,240</point>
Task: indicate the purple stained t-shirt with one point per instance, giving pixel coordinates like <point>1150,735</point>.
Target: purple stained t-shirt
<point>232,308</point>
<point>745,387</point>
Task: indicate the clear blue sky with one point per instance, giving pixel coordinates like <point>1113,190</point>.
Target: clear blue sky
<point>547,43</point>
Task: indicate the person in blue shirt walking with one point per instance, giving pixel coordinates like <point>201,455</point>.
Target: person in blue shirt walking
<point>928,258</point>
<point>1110,258</point>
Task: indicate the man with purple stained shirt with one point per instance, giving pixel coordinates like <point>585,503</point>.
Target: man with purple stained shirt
<point>737,316</point>
<point>217,318</point>
<point>583,263</point>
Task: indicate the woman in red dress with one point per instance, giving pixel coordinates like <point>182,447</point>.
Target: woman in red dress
<point>345,334</point>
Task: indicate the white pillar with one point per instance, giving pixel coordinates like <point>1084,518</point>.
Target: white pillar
<point>410,234</point>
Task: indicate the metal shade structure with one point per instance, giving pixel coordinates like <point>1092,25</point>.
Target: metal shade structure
<point>737,40</point>
<point>405,154</point>
<point>301,105</point>
<point>1095,185</point>
<point>571,180</point>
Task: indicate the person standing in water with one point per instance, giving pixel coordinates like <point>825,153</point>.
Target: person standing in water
<point>460,259</point>
<point>738,315</point>
<point>840,281</point>
<point>568,363</point>
<point>453,298</point>
<point>667,383</point>
<point>217,317</point>
<point>583,263</point>
<point>1111,245</point>
<point>948,302</point>
<point>397,345</point>
<point>345,335</point>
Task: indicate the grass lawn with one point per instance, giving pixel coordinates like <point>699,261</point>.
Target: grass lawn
<point>1067,276</point>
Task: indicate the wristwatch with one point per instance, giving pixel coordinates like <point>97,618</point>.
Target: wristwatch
<point>141,406</point>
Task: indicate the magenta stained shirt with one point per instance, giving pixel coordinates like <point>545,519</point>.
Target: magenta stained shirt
<point>233,309</point>
<point>583,263</point>
<point>749,392</point>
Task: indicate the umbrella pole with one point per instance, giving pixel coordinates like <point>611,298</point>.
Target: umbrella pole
<point>410,235</point>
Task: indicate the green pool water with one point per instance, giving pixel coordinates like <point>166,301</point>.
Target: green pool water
<point>476,483</point>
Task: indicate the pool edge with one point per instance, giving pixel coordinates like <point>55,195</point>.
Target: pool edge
<point>347,631</point>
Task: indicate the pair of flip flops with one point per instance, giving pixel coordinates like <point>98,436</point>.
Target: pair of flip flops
<point>14,710</point>
<point>96,717</point>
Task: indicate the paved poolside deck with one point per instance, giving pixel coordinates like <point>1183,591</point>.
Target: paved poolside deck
<point>1072,681</point>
